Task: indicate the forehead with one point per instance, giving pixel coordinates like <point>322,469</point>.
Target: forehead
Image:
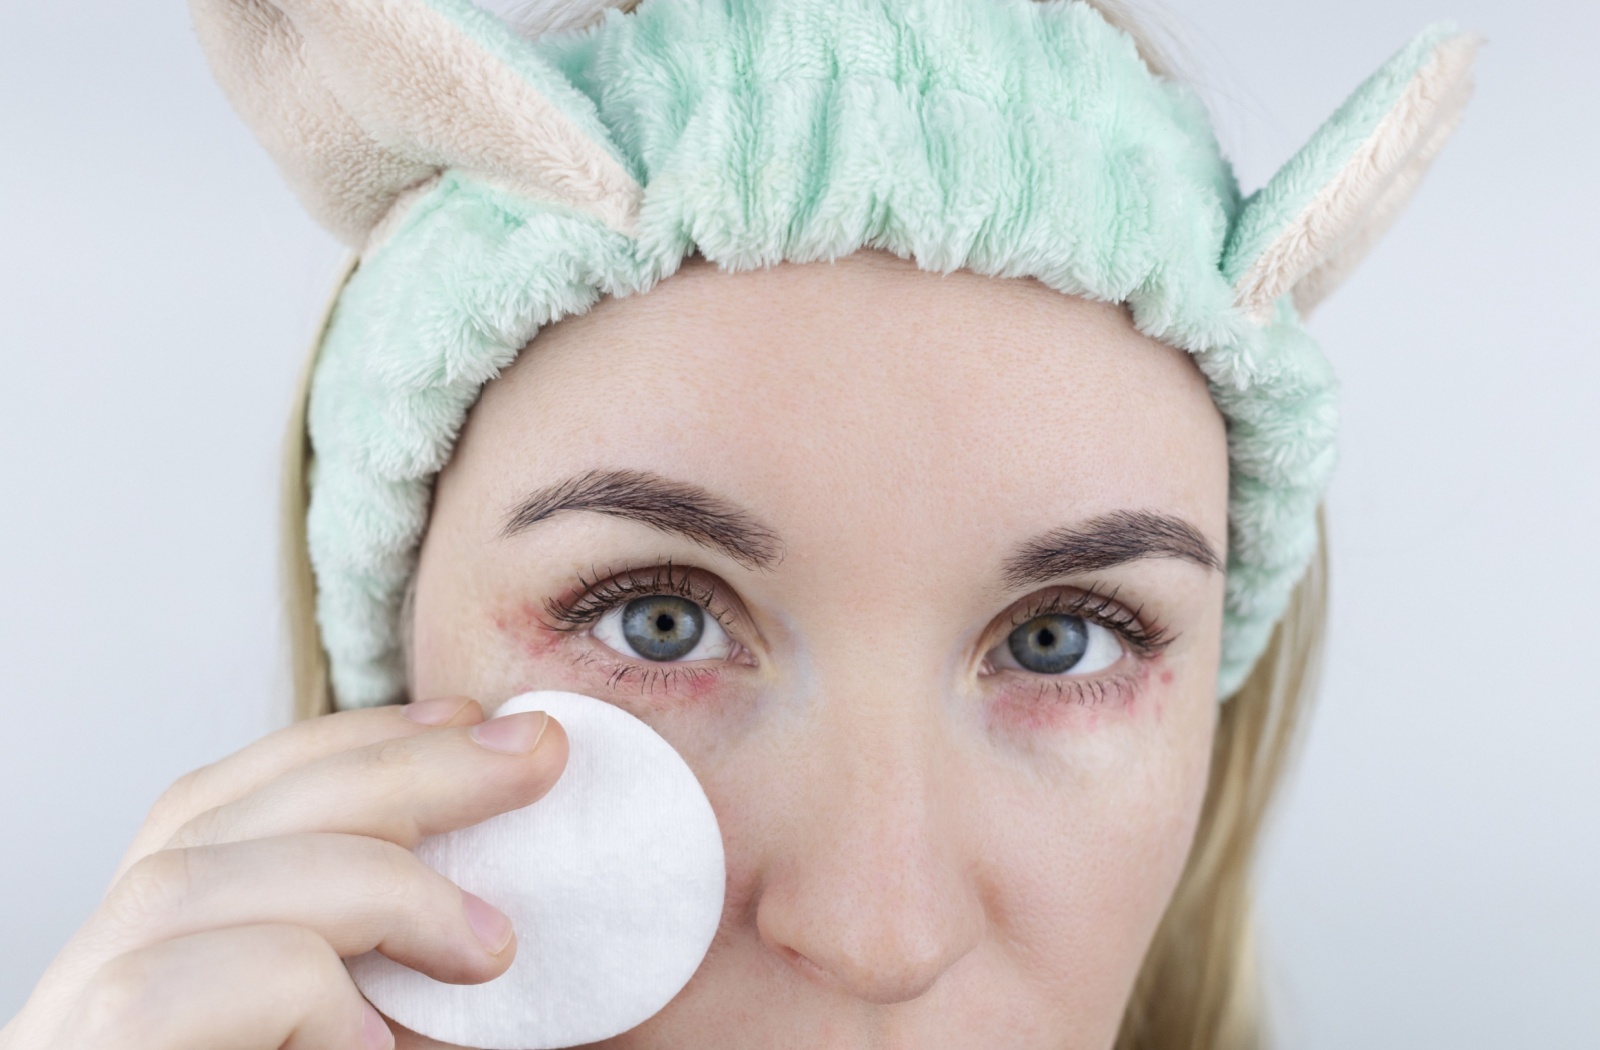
<point>977,402</point>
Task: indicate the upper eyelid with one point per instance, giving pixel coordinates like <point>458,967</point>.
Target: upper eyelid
<point>1044,602</point>
<point>587,606</point>
<point>1152,637</point>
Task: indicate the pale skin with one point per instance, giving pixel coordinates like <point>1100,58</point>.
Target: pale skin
<point>930,842</point>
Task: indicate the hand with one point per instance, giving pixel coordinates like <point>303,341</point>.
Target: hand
<point>254,877</point>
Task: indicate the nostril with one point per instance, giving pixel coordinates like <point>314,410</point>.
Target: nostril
<point>801,962</point>
<point>882,973</point>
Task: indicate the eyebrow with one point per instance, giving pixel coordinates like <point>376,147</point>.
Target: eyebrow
<point>711,521</point>
<point>661,503</point>
<point>1108,540</point>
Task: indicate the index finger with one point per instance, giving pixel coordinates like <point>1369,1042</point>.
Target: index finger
<point>256,764</point>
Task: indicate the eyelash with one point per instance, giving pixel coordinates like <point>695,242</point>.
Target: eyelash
<point>1146,637</point>
<point>588,600</point>
<point>647,678</point>
<point>593,596</point>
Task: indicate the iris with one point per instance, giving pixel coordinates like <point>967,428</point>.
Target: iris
<point>662,626</point>
<point>1050,644</point>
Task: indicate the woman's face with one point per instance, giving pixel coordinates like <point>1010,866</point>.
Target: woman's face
<point>920,574</point>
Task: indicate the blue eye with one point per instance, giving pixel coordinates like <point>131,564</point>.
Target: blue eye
<point>662,628</point>
<point>1057,643</point>
<point>1049,644</point>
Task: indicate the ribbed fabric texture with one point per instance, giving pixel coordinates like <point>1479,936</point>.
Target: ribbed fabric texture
<point>1007,137</point>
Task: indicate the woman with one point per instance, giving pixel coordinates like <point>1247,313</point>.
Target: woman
<point>968,555</point>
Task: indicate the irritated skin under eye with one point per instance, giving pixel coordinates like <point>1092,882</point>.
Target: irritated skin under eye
<point>627,634</point>
<point>1034,704</point>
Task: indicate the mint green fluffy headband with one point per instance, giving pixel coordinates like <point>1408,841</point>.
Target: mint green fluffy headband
<point>497,172</point>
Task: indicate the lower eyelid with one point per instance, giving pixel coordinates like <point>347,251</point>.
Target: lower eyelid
<point>1042,703</point>
<point>1096,692</point>
<point>689,680</point>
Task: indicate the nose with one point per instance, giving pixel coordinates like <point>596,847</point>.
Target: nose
<point>872,892</point>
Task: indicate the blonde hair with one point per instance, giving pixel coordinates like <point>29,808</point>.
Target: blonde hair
<point>1197,988</point>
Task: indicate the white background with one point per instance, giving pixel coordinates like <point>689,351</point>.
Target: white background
<point>1432,877</point>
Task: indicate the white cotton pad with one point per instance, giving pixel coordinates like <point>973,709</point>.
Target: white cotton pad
<point>613,881</point>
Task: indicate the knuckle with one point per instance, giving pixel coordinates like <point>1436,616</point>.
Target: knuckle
<point>180,799</point>
<point>153,890</point>
<point>315,963</point>
<point>302,946</point>
<point>394,756</point>
<point>394,760</point>
<point>304,962</point>
<point>393,871</point>
<point>200,828</point>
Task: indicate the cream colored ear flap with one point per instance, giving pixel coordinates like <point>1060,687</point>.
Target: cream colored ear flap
<point>1304,231</point>
<point>359,100</point>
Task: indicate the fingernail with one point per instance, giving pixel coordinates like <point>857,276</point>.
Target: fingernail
<point>374,1030</point>
<point>434,712</point>
<point>515,734</point>
<point>489,923</point>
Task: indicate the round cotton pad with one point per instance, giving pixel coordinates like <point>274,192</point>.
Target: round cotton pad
<point>613,881</point>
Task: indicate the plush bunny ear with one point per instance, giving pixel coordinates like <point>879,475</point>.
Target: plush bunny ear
<point>1308,227</point>
<point>359,100</point>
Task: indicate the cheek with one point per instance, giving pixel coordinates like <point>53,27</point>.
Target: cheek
<point>1083,864</point>
<point>483,645</point>
<point>440,661</point>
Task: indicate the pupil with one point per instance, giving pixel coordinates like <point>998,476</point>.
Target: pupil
<point>662,626</point>
<point>1050,644</point>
